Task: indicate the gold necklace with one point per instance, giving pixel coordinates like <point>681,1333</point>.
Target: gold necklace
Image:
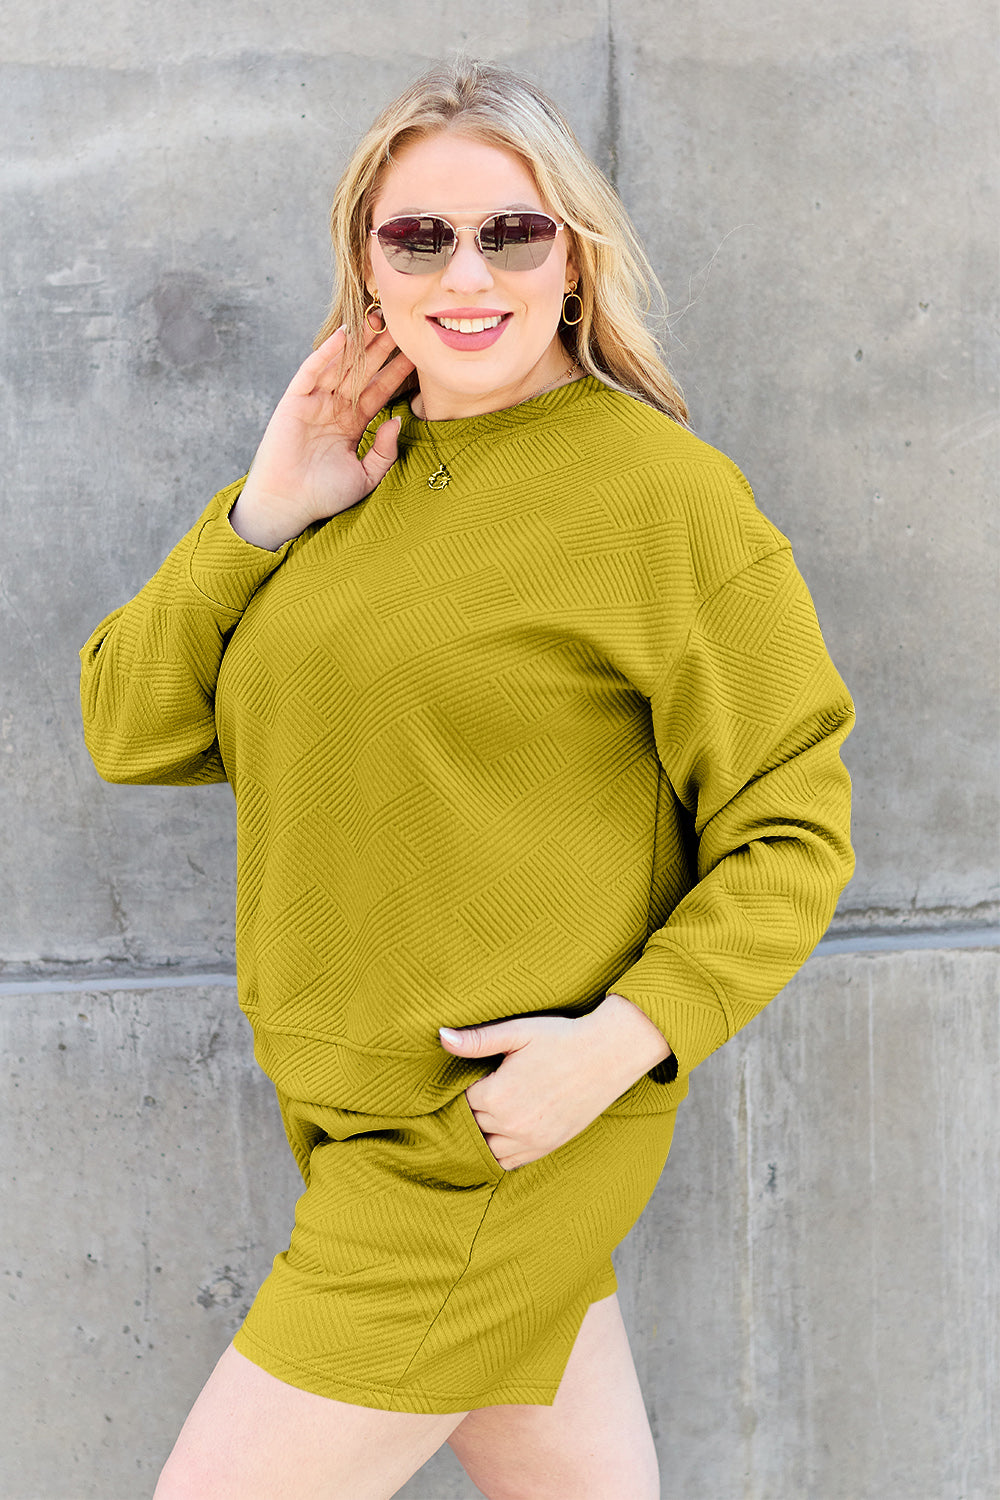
<point>441,478</point>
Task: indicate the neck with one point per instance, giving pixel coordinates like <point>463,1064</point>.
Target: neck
<point>434,404</point>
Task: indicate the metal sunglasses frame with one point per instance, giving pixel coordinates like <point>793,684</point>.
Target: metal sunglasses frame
<point>489,256</point>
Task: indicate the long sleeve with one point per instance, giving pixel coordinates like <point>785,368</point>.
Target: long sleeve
<point>749,721</point>
<point>149,670</point>
<point>498,748</point>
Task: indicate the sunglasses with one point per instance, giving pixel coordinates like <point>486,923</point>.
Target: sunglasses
<point>420,244</point>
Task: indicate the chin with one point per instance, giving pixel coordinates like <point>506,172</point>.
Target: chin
<point>480,376</point>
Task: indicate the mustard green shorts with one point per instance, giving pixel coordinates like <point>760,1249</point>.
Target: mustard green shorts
<point>422,1277</point>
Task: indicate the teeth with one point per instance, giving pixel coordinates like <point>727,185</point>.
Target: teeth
<point>469,325</point>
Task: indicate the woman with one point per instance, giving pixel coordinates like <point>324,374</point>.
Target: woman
<point>535,748</point>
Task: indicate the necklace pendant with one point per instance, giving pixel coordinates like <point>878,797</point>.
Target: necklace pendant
<point>440,479</point>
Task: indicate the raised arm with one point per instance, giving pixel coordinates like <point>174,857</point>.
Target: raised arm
<point>150,669</point>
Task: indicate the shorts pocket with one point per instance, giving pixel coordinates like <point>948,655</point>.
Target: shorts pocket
<point>476,1136</point>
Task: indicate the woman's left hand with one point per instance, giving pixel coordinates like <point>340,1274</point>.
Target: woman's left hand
<point>558,1074</point>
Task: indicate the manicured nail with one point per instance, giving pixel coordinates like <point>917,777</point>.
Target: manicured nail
<point>447,1035</point>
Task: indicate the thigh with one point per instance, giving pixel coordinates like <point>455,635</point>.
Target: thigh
<point>593,1442</point>
<point>252,1437</point>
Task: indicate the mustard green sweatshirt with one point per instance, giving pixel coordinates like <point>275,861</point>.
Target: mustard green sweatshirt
<point>564,727</point>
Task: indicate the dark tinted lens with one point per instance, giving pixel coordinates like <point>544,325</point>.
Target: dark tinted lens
<point>517,242</point>
<point>416,246</point>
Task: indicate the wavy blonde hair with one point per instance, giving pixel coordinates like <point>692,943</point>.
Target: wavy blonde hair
<point>499,107</point>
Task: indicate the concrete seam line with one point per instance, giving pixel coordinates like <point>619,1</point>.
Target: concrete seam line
<point>908,942</point>
<point>101,986</point>
<point>942,940</point>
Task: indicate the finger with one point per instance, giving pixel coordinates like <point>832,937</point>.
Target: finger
<point>311,369</point>
<point>485,1118</point>
<point>331,374</point>
<point>506,1151</point>
<point>383,452</point>
<point>383,386</point>
<point>482,1041</point>
<point>377,349</point>
<point>369,334</point>
<point>338,336</point>
<point>324,369</point>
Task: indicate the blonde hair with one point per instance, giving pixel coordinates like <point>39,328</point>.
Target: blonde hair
<point>496,105</point>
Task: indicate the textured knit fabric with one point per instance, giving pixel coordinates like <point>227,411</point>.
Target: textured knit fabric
<point>564,727</point>
<point>422,1277</point>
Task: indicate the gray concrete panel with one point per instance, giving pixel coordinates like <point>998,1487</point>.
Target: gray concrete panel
<point>812,1293</point>
<point>166,264</point>
<point>813,1289</point>
<point>813,190</point>
<point>152,1186</point>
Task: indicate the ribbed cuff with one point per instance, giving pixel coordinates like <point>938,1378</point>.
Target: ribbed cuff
<point>224,567</point>
<point>682,1001</point>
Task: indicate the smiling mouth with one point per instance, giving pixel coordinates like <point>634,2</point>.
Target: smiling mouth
<point>470,325</point>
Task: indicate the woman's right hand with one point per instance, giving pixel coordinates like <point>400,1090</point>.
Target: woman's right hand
<point>307,465</point>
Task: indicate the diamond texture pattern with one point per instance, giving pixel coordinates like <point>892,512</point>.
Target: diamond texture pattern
<point>422,1277</point>
<point>566,726</point>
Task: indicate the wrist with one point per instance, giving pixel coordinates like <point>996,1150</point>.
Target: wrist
<point>262,525</point>
<point>629,1040</point>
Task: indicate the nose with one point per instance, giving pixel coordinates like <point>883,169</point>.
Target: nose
<point>466,271</point>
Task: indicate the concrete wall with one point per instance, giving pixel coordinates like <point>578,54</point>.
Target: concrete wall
<point>809,1293</point>
<point>815,187</point>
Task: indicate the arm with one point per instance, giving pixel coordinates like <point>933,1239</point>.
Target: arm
<point>150,669</point>
<point>749,723</point>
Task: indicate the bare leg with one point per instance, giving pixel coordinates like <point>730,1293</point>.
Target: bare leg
<point>593,1443</point>
<point>252,1437</point>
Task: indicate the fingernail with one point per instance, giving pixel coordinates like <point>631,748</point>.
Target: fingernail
<point>447,1035</point>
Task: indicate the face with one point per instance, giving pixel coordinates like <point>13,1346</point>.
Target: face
<point>464,181</point>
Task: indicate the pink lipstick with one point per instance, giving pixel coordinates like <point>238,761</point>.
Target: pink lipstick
<point>469,328</point>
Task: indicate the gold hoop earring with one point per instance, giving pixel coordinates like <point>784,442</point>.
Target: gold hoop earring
<point>374,306</point>
<point>572,296</point>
